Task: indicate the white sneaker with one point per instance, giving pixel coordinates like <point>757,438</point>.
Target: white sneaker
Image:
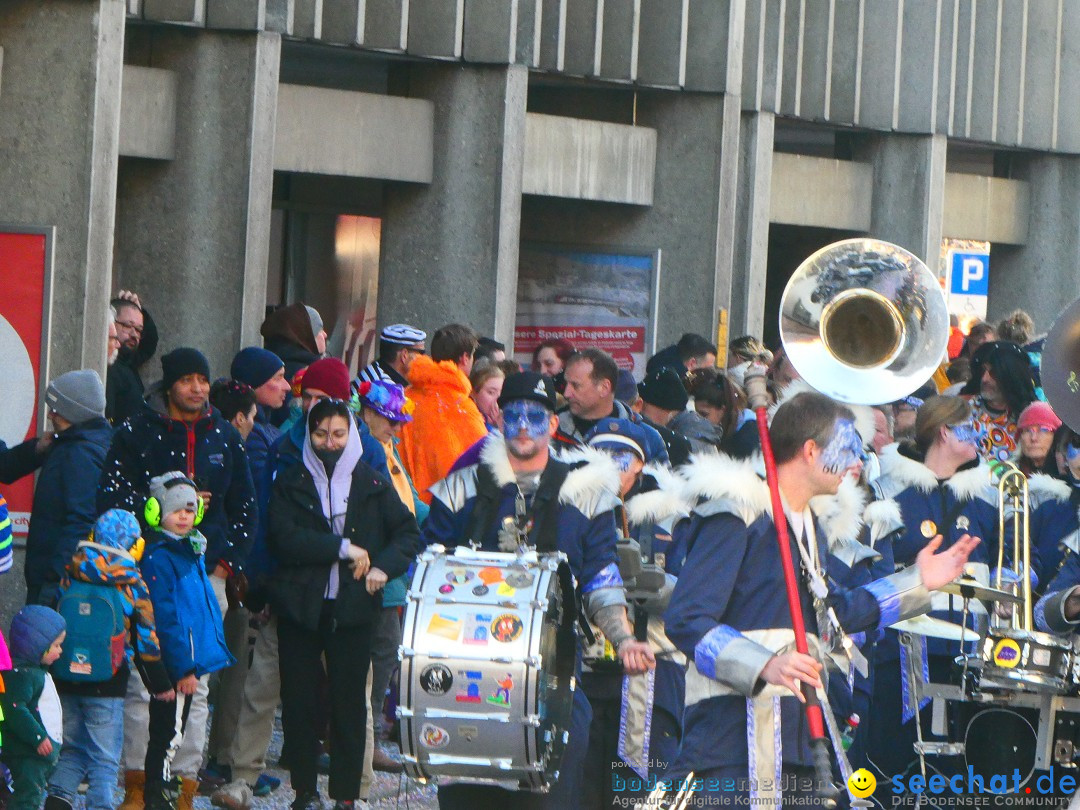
<point>234,796</point>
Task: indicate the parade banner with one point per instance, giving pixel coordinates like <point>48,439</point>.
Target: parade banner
<point>26,276</point>
<point>591,298</point>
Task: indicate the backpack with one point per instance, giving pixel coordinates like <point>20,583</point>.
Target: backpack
<point>96,645</point>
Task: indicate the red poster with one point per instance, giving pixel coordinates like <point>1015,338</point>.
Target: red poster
<point>24,276</point>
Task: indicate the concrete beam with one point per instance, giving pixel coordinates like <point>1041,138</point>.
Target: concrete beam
<point>619,30</point>
<point>584,33</point>
<point>992,209</point>
<point>445,241</point>
<point>343,21</point>
<point>309,16</point>
<point>436,28</point>
<point>820,192</point>
<point>588,160</point>
<point>148,113</point>
<point>337,132</point>
<point>241,15</point>
<point>280,16</point>
<point>386,25</point>
<point>663,38</point>
<point>208,291</point>
<point>750,264</point>
<point>177,11</point>
<point>490,31</point>
<point>58,155</point>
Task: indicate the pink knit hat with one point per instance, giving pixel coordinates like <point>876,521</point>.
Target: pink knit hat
<point>1038,414</point>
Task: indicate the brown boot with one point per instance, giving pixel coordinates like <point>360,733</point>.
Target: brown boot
<point>134,782</point>
<point>187,794</point>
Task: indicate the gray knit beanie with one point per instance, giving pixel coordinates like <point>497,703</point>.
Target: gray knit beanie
<point>174,491</point>
<point>78,396</point>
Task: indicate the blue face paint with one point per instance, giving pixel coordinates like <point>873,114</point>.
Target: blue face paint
<point>968,433</point>
<point>1071,453</point>
<point>524,415</point>
<point>623,459</point>
<point>844,449</point>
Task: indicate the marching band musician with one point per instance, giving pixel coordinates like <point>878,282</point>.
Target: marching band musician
<point>941,489</point>
<point>516,487</point>
<point>648,725</point>
<point>729,613</point>
<point>1055,525</point>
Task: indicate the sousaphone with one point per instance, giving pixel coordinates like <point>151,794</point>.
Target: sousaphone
<point>864,321</point>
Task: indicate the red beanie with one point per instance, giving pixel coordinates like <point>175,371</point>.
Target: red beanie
<point>1038,414</point>
<point>329,375</point>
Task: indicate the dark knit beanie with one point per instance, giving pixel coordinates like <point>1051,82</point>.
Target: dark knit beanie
<point>664,389</point>
<point>33,630</point>
<point>255,366</point>
<point>180,363</point>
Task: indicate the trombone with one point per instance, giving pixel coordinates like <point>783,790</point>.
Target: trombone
<point>1014,508</point>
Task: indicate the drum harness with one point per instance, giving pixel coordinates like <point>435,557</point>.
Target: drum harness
<point>535,522</point>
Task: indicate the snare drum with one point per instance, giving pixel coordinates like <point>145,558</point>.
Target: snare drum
<point>487,667</point>
<point>1025,661</point>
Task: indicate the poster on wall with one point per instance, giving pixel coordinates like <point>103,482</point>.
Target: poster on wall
<point>26,277</point>
<point>602,297</point>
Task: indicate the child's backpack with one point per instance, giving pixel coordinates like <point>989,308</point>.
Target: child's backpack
<point>96,642</point>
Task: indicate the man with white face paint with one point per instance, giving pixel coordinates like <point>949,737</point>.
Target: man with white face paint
<point>567,508</point>
<point>730,617</point>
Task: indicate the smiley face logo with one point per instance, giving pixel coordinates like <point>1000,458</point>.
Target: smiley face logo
<point>862,783</point>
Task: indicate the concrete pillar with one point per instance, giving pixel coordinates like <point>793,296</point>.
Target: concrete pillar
<point>909,190</point>
<point>691,220</point>
<point>752,223</point>
<point>449,249</point>
<point>1041,275</point>
<point>192,233</point>
<point>58,154</point>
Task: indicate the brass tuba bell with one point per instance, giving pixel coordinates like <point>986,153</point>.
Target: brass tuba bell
<point>1060,366</point>
<point>864,321</point>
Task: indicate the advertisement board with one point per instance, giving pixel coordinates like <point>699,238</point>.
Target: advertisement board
<point>25,277</point>
<point>602,297</point>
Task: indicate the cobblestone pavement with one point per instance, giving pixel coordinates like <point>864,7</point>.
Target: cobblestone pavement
<point>388,791</point>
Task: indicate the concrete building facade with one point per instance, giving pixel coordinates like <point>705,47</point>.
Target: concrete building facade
<point>202,152</point>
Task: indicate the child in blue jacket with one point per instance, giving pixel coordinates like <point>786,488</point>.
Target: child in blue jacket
<point>189,625</point>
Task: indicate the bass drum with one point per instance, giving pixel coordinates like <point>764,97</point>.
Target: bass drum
<point>488,655</point>
<point>998,741</point>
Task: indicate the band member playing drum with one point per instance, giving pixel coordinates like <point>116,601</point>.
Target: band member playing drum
<point>729,613</point>
<point>518,492</point>
<point>941,489</point>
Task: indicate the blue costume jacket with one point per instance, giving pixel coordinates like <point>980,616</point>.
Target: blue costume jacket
<point>729,615</point>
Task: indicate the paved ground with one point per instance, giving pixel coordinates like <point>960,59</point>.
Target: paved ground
<point>389,790</point>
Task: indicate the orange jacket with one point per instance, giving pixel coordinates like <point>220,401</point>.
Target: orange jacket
<point>445,424</point>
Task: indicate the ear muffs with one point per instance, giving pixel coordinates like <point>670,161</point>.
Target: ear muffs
<point>137,549</point>
<point>152,510</point>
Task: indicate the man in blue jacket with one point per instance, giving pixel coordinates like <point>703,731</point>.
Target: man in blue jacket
<point>64,508</point>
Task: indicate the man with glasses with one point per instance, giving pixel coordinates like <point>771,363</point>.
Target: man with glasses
<point>562,507</point>
<point>399,345</point>
<point>138,339</point>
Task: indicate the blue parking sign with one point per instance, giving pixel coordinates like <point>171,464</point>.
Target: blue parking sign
<point>969,274</point>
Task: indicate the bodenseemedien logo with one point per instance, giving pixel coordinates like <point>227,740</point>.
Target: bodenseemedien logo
<point>862,783</point>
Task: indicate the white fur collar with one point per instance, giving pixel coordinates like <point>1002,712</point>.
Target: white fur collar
<point>662,504</point>
<point>973,483</point>
<point>840,515</point>
<point>493,456</point>
<point>718,477</point>
<point>883,518</point>
<point>1046,488</point>
<point>594,486</point>
<point>905,472</point>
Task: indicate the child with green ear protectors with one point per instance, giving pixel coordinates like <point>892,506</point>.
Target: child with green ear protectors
<point>189,623</point>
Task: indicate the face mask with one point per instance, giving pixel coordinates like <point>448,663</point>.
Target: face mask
<point>329,456</point>
<point>844,448</point>
<point>967,433</point>
<point>525,415</point>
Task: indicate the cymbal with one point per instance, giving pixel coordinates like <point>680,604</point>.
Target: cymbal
<point>935,628</point>
<point>973,589</point>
